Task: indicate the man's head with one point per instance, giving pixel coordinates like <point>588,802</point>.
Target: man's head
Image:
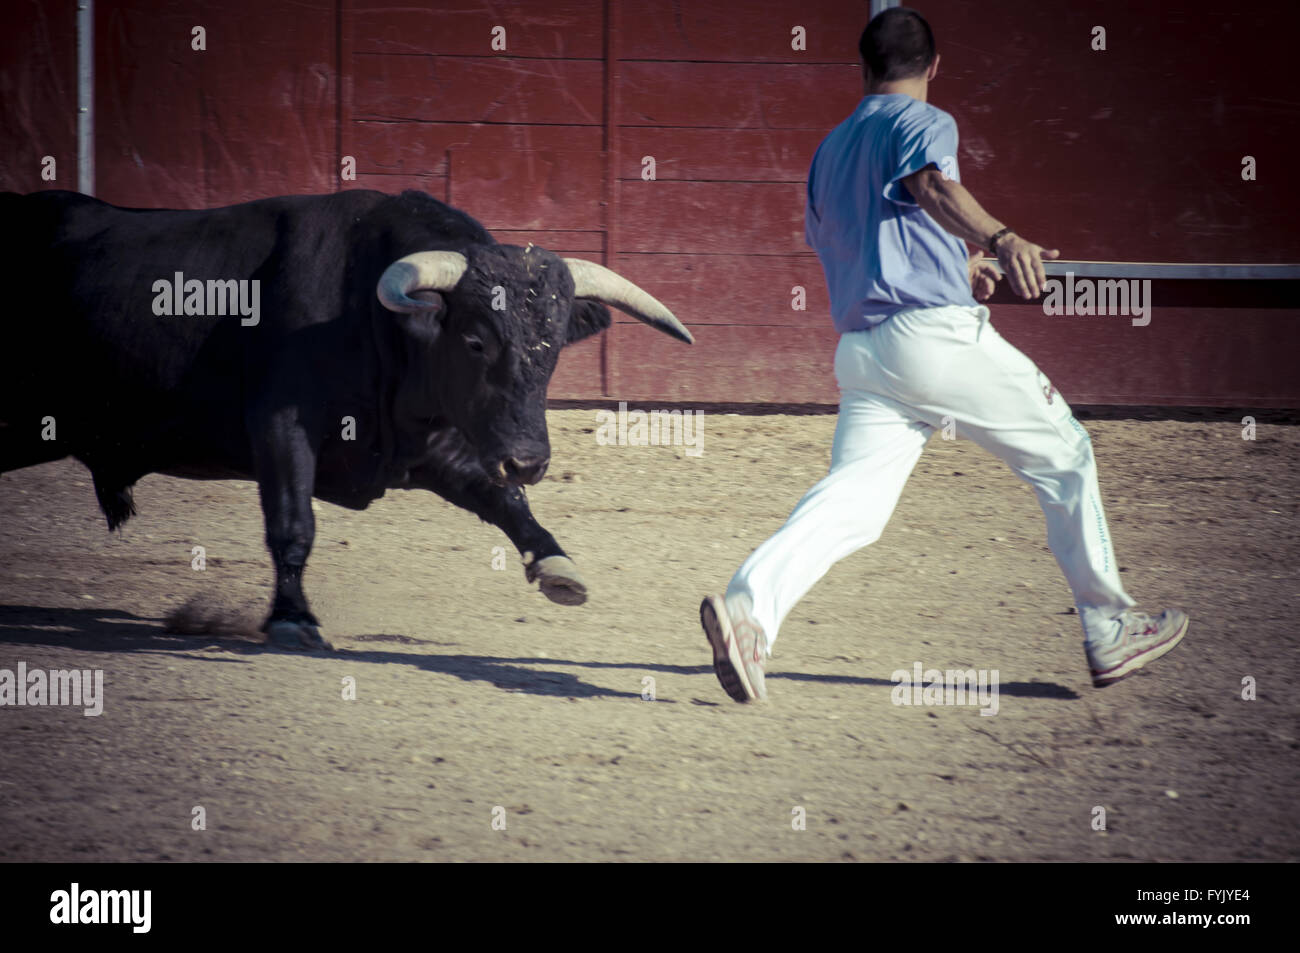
<point>897,50</point>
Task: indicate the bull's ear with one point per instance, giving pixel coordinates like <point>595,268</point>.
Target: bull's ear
<point>586,319</point>
<point>432,300</point>
<point>426,324</point>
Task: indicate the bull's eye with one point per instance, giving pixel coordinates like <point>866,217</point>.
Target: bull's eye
<point>474,343</point>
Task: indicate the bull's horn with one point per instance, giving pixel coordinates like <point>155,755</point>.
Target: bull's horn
<point>423,271</point>
<point>597,282</point>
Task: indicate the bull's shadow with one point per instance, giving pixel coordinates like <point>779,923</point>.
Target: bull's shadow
<point>112,630</point>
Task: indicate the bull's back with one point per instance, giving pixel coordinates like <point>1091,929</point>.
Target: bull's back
<point>87,336</point>
<point>87,273</point>
<point>95,341</point>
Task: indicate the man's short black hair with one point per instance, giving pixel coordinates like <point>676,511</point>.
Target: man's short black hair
<point>897,44</point>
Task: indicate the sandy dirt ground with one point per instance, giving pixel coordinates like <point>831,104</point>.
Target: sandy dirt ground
<point>477,700</point>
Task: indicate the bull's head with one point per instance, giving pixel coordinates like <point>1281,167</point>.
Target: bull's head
<point>502,313</point>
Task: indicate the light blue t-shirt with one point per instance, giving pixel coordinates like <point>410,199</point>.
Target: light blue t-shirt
<point>880,251</point>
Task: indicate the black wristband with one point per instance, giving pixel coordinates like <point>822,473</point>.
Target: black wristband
<point>993,241</point>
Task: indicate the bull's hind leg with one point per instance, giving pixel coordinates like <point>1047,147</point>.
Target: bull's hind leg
<point>286,472</point>
<point>507,508</point>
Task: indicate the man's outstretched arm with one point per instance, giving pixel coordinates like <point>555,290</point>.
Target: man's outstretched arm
<point>950,204</point>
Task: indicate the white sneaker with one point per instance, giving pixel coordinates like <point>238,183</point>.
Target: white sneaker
<point>1140,639</point>
<point>739,646</point>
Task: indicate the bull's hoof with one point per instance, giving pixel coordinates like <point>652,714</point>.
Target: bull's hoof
<point>299,636</point>
<point>559,579</point>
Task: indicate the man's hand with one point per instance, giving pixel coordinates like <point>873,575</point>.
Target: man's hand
<point>949,203</point>
<point>983,276</point>
<point>1023,263</point>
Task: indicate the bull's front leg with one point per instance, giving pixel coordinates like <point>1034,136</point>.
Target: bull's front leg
<point>286,476</point>
<point>506,507</point>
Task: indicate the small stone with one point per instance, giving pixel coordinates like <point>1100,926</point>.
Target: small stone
<point>1172,794</point>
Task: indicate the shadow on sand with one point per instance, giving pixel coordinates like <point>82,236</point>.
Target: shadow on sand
<point>112,630</point>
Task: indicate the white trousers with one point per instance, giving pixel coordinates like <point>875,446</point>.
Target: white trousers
<point>901,380</point>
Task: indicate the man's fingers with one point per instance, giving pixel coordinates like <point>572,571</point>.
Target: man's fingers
<point>1035,277</point>
<point>1040,275</point>
<point>1013,276</point>
<point>983,277</point>
<point>1054,253</point>
<point>1019,275</point>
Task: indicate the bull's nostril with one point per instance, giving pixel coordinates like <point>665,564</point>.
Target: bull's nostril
<point>527,471</point>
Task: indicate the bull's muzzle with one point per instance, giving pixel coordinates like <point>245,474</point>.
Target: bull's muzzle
<point>527,471</point>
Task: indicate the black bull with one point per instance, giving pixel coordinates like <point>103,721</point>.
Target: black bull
<point>333,346</point>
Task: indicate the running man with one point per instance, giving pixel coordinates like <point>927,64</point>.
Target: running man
<point>887,216</point>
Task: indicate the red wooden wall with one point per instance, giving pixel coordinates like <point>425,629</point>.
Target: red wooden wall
<point>38,94</point>
<point>1129,154</point>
